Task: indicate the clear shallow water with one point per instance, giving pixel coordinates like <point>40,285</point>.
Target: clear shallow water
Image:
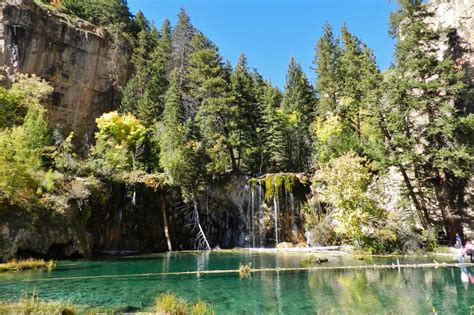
<point>363,291</point>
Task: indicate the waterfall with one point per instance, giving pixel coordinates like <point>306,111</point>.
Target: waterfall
<point>248,222</point>
<point>293,212</point>
<point>252,204</point>
<point>260,214</point>
<point>134,197</point>
<point>276,206</point>
<point>274,202</point>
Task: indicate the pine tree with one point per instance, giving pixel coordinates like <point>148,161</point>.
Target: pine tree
<point>144,94</point>
<point>160,69</point>
<point>182,36</point>
<point>299,104</point>
<point>248,117</point>
<point>350,106</point>
<point>274,125</point>
<point>328,77</point>
<point>180,153</point>
<point>215,107</point>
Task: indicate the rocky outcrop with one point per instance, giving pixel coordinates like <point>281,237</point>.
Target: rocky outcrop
<point>24,235</point>
<point>86,65</point>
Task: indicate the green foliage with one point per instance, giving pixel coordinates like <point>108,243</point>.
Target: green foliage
<point>181,153</point>
<point>277,184</point>
<point>348,86</point>
<point>23,147</point>
<point>421,118</point>
<point>181,38</point>
<point>144,94</point>
<point>299,105</point>
<point>248,119</point>
<point>326,65</point>
<point>100,12</point>
<point>217,112</point>
<point>274,125</point>
<point>344,183</point>
<point>430,239</point>
<point>12,111</point>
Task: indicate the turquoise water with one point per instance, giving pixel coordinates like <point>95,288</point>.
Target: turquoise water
<point>363,291</point>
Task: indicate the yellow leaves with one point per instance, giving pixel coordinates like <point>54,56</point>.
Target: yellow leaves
<point>119,130</point>
<point>118,138</point>
<point>293,118</point>
<point>345,180</point>
<point>325,129</point>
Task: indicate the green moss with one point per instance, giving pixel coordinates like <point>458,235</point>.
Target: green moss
<point>269,187</point>
<point>275,184</point>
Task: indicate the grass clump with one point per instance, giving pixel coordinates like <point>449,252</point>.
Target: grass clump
<point>168,303</point>
<point>200,308</point>
<point>25,264</point>
<point>32,305</point>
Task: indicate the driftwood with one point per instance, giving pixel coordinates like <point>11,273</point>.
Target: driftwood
<point>398,266</point>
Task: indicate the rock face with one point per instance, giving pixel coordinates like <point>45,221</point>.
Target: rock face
<point>21,235</point>
<point>86,65</point>
<point>457,15</point>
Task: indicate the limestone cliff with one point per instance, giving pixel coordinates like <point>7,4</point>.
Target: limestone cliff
<point>457,16</point>
<point>86,65</point>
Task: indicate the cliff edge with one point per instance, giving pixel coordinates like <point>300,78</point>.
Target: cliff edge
<point>85,64</point>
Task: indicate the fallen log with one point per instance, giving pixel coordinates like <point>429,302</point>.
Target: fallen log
<point>399,266</point>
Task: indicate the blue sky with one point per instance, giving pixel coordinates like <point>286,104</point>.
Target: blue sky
<point>269,32</point>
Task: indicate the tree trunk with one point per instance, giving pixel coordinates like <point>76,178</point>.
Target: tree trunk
<point>448,211</point>
<point>232,157</point>
<point>422,212</point>
<point>165,224</point>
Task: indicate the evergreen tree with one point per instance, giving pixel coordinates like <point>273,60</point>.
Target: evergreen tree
<point>143,96</point>
<point>248,118</point>
<point>100,12</point>
<point>299,103</point>
<point>182,36</point>
<point>181,154</point>
<point>328,77</point>
<point>350,106</point>
<point>216,110</point>
<point>420,120</point>
<point>274,124</point>
<point>346,126</point>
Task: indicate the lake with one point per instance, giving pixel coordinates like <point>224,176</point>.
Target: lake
<point>134,284</point>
